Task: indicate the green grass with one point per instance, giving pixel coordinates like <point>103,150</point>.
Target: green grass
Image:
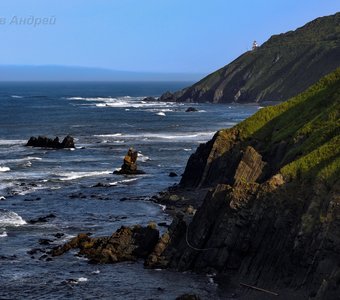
<point>310,125</point>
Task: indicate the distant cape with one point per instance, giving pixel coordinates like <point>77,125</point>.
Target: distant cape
<point>74,73</point>
<point>279,69</point>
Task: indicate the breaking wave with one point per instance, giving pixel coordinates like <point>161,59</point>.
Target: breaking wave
<point>10,218</point>
<point>78,175</point>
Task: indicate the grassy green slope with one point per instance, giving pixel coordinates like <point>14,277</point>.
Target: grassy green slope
<point>310,125</point>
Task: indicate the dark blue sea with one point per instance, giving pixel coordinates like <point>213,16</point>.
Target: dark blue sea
<point>105,119</point>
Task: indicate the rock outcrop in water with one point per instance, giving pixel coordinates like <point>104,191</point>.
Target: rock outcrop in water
<point>129,166</point>
<point>271,217</point>
<point>281,68</point>
<point>44,142</point>
<point>126,244</point>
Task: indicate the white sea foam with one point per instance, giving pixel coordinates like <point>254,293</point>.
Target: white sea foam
<point>108,135</point>
<point>126,102</point>
<point>161,114</point>
<point>163,136</point>
<point>143,158</point>
<point>10,218</point>
<point>4,169</point>
<point>163,207</point>
<point>91,98</point>
<point>20,160</point>
<point>3,234</point>
<point>27,164</point>
<point>82,279</point>
<point>77,175</point>
<point>122,181</point>
<point>12,142</point>
<point>16,97</point>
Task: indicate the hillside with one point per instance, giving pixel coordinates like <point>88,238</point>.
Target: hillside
<point>279,69</point>
<point>271,217</point>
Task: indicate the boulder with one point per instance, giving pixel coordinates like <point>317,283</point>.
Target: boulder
<point>45,142</point>
<point>172,174</point>
<point>129,166</point>
<point>126,244</point>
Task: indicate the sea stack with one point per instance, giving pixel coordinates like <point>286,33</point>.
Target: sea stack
<point>129,166</point>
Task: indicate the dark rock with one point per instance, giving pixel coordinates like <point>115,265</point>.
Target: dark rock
<point>45,241</point>
<point>44,142</point>
<point>126,244</point>
<point>167,97</point>
<point>35,251</point>
<point>150,99</point>
<point>100,184</point>
<point>188,297</point>
<point>77,196</point>
<point>268,218</point>
<point>163,224</point>
<point>12,257</point>
<point>59,235</point>
<point>214,161</point>
<point>129,166</point>
<point>172,174</point>
<point>42,219</point>
<point>250,167</point>
<point>191,109</point>
<point>68,142</point>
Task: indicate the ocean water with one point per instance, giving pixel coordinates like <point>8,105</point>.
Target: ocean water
<point>105,119</point>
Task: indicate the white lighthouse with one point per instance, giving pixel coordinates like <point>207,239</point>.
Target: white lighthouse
<point>255,45</point>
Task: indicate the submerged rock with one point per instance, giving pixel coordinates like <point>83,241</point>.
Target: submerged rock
<point>44,142</point>
<point>191,109</point>
<point>126,244</point>
<point>43,219</point>
<point>129,166</point>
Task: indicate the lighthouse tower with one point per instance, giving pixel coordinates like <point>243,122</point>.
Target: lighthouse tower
<point>255,45</point>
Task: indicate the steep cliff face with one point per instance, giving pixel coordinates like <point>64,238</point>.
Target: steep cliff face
<point>272,215</point>
<point>282,67</point>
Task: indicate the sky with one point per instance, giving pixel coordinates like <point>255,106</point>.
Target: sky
<point>183,36</point>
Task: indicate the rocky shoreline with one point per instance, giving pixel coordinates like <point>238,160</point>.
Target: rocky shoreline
<point>270,215</point>
<point>258,206</point>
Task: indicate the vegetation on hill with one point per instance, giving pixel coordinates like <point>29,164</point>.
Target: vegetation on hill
<point>284,66</point>
<point>310,124</point>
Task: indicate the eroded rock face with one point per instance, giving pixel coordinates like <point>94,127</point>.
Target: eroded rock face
<point>129,166</point>
<point>126,244</point>
<point>250,167</point>
<point>269,234</point>
<point>213,162</point>
<point>44,142</point>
